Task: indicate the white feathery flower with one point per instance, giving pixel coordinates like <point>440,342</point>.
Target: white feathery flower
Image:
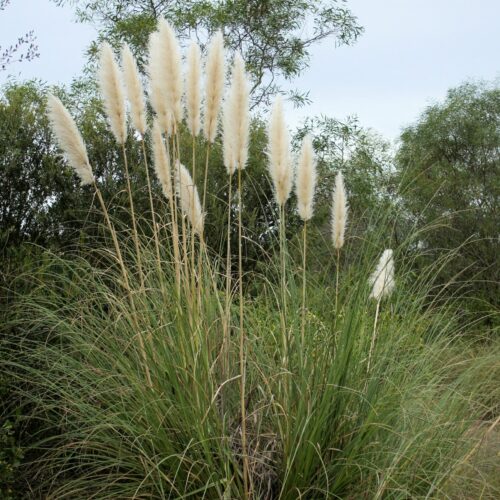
<point>134,90</point>
<point>214,85</point>
<point>189,198</point>
<point>305,183</point>
<point>193,92</point>
<point>161,162</point>
<point>382,280</point>
<point>280,166</point>
<point>236,119</point>
<point>112,93</point>
<point>173,69</point>
<point>158,75</point>
<point>339,212</point>
<point>69,139</point>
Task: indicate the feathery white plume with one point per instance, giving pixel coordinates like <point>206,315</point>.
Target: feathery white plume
<point>134,90</point>
<point>161,162</point>
<point>305,183</point>
<point>157,78</point>
<point>112,93</point>
<point>382,280</point>
<point>69,139</point>
<point>339,212</point>
<point>214,85</point>
<point>193,92</point>
<point>228,139</point>
<point>279,154</point>
<point>236,119</point>
<point>173,69</point>
<point>189,198</point>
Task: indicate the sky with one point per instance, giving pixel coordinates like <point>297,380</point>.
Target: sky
<point>412,51</point>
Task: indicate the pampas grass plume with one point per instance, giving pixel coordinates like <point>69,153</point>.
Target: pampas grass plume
<point>189,198</point>
<point>112,93</point>
<point>171,59</point>
<point>157,89</point>
<point>339,212</point>
<point>228,139</point>
<point>236,119</point>
<point>161,162</point>
<point>193,93</point>
<point>382,280</point>
<point>279,154</point>
<point>214,85</point>
<point>69,139</point>
<point>134,90</point>
<point>305,183</point>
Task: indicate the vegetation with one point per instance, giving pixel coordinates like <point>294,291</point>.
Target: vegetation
<point>450,167</point>
<point>268,34</point>
<point>178,321</point>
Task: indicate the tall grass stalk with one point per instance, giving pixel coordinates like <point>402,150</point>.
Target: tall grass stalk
<point>133,216</point>
<point>305,186</point>
<point>242,350</point>
<point>135,95</point>
<point>151,204</point>
<point>339,222</point>
<point>281,174</point>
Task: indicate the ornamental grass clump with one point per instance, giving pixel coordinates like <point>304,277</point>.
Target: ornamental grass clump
<point>154,379</point>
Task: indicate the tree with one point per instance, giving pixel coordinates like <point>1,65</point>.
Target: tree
<point>449,167</point>
<point>274,36</point>
<point>15,53</point>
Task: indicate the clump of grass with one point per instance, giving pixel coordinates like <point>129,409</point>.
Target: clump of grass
<point>153,382</point>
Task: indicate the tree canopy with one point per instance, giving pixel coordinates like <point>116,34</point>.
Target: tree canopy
<point>274,36</point>
<point>449,163</point>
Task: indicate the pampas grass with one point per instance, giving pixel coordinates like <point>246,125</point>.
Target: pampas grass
<point>229,156</point>
<point>382,279</point>
<point>305,185</point>
<point>237,116</point>
<point>189,199</point>
<point>280,169</point>
<point>158,75</point>
<point>383,283</point>
<point>162,162</point>
<point>193,92</point>
<point>130,397</point>
<point>339,212</point>
<point>338,224</point>
<point>134,90</point>
<point>214,85</point>
<point>112,92</point>
<point>171,60</point>
<point>69,139</point>
<point>236,134</point>
<point>113,96</point>
<point>280,166</point>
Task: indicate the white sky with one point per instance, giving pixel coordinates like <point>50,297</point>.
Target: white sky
<point>412,51</point>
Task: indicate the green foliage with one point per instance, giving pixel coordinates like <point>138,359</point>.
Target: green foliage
<point>269,34</point>
<point>11,453</point>
<point>323,427</point>
<point>449,166</point>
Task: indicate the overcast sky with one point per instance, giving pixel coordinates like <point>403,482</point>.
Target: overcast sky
<point>412,51</point>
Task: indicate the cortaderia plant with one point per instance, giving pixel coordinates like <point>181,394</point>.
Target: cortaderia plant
<point>162,376</point>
